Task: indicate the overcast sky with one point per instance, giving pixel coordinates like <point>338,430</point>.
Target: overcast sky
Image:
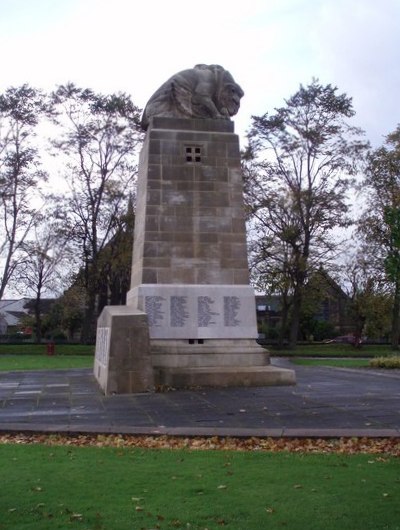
<point>269,46</point>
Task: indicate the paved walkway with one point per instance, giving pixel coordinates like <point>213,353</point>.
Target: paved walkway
<point>325,402</point>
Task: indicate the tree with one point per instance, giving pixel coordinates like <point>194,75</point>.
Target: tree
<point>369,297</point>
<point>66,314</point>
<point>115,262</point>
<point>99,136</point>
<point>379,226</point>
<point>300,161</point>
<point>271,257</point>
<point>21,110</point>
<point>324,307</point>
<point>46,260</point>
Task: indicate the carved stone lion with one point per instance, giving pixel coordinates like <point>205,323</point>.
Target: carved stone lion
<point>205,91</point>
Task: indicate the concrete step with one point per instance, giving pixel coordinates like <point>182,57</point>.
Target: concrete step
<point>197,360</point>
<point>224,376</point>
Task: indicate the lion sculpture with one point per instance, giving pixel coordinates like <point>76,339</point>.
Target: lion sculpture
<point>205,91</point>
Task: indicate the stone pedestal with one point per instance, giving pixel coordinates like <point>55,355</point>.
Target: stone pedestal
<point>190,317</point>
<point>122,361</point>
<point>190,271</point>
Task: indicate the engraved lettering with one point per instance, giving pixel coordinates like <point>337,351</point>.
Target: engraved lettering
<point>178,311</point>
<point>154,309</point>
<point>231,310</point>
<point>205,314</point>
<point>102,345</point>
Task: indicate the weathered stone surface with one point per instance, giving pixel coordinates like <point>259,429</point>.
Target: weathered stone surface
<point>122,358</point>
<point>225,376</point>
<point>183,125</point>
<point>190,275</point>
<point>205,91</point>
<point>196,202</point>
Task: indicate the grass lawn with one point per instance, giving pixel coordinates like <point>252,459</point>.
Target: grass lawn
<point>40,349</point>
<point>105,488</point>
<point>334,350</point>
<point>10,363</point>
<point>34,357</point>
<point>341,363</point>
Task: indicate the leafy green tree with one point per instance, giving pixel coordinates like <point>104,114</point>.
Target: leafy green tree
<point>302,161</point>
<point>320,289</point>
<point>21,111</point>
<point>99,136</point>
<point>67,313</point>
<point>380,224</point>
<point>369,297</point>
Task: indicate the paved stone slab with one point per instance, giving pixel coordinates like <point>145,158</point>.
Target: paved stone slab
<point>326,402</point>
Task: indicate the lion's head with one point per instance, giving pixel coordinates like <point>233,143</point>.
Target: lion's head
<point>229,99</point>
<point>225,92</point>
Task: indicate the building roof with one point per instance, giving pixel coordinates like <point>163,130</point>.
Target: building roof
<point>13,310</point>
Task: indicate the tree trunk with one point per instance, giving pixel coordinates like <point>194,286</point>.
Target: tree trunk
<point>6,271</point>
<point>284,320</point>
<point>88,332</point>
<point>281,337</point>
<point>38,320</point>
<point>295,319</point>
<point>396,318</point>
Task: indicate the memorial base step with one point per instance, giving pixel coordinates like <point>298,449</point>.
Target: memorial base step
<point>224,376</point>
<point>197,360</point>
<point>225,347</point>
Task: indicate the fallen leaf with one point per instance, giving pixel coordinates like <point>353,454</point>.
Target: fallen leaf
<point>375,446</point>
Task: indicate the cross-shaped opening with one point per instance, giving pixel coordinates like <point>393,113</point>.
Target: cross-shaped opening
<point>193,154</point>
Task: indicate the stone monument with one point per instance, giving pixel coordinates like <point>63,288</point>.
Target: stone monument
<point>190,317</point>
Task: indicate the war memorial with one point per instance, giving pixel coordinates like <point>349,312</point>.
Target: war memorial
<point>190,316</point>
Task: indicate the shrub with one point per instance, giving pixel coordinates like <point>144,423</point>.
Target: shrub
<point>385,362</point>
<point>56,334</point>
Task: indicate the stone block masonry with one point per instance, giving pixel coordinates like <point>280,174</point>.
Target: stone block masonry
<point>190,275</point>
<point>122,361</point>
<point>190,226</point>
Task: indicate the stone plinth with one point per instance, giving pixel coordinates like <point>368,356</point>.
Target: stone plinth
<point>225,376</point>
<point>190,317</point>
<point>122,358</point>
<point>190,271</point>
